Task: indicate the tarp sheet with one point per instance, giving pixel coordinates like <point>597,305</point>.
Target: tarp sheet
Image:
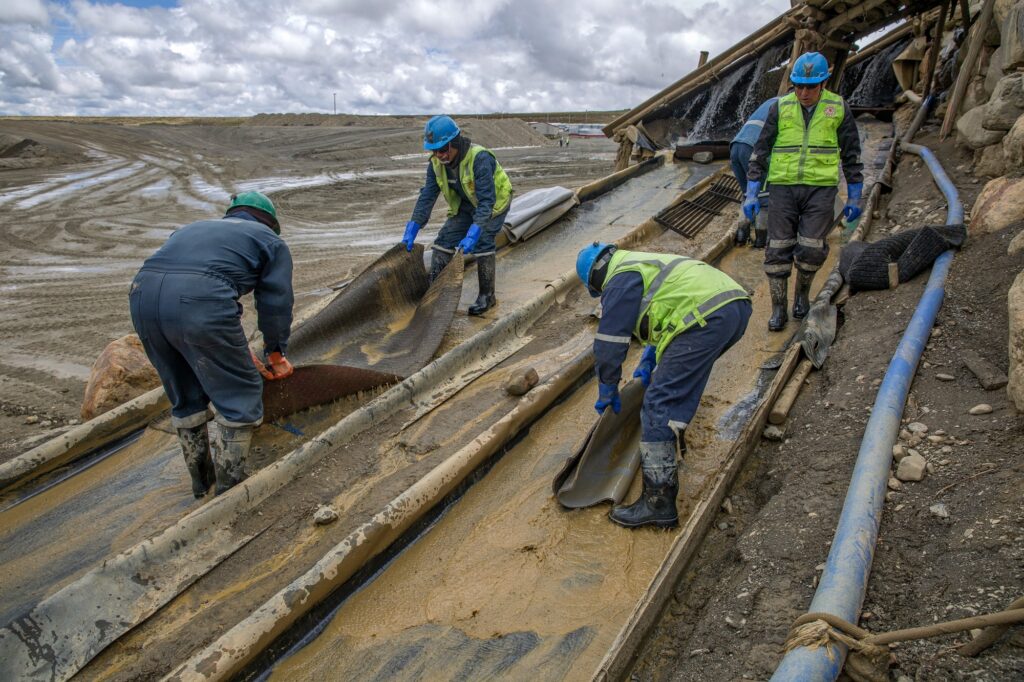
<point>535,210</point>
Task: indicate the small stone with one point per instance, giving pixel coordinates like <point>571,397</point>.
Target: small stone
<point>912,468</point>
<point>939,509</point>
<point>944,462</point>
<point>325,514</point>
<point>703,157</point>
<point>915,441</point>
<point>945,377</point>
<point>930,467</point>
<point>981,408</point>
<point>45,424</point>
<point>727,506</point>
<point>521,382</point>
<point>890,496</point>
<point>31,419</point>
<point>894,484</point>
<point>905,435</point>
<point>917,428</point>
<point>936,439</point>
<point>723,526</point>
<point>733,623</point>
<point>73,422</point>
<point>912,451</point>
<point>775,433</point>
<point>898,452</point>
<point>940,432</point>
<point>946,449</point>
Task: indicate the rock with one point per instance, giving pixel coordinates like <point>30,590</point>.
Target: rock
<point>936,439</point>
<point>703,157</point>
<point>898,452</point>
<point>894,484</point>
<point>911,468</point>
<point>945,377</point>
<point>1005,104</point>
<point>990,376</point>
<point>905,435</point>
<point>773,432</point>
<point>727,506</point>
<point>1013,147</point>
<point>324,514</point>
<point>1000,204</point>
<point>981,408</point>
<point>120,373</point>
<point>520,383</point>
<point>1016,244</point>
<point>913,452</point>
<point>1012,39</point>
<point>990,161</point>
<point>969,132</point>
<point>917,427</point>
<point>994,72</point>
<point>1015,303</point>
<point>939,509</point>
<point>32,419</point>
<point>975,94</point>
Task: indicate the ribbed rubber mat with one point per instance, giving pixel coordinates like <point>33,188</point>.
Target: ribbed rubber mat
<point>688,218</point>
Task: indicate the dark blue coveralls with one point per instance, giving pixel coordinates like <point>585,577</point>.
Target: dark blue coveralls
<point>685,366</point>
<point>185,309</point>
<point>456,226</point>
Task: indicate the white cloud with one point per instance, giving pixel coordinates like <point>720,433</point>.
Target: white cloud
<point>220,57</point>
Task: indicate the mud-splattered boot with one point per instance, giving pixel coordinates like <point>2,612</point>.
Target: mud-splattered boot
<point>485,278</point>
<point>761,229</point>
<point>230,454</point>
<point>656,505</point>
<point>438,261</point>
<point>779,289</point>
<point>802,295</point>
<point>195,448</point>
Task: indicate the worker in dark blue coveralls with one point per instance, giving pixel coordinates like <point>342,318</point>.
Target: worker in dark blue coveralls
<point>478,193</point>
<point>185,308</point>
<point>740,150</point>
<point>686,313</point>
<point>806,137</point>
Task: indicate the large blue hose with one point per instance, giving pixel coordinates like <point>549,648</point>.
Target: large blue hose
<point>844,581</point>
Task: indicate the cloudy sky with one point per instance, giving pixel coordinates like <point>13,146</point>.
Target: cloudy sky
<point>242,57</point>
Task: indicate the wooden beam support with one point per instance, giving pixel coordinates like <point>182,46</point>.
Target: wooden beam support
<point>933,51</point>
<point>977,38</point>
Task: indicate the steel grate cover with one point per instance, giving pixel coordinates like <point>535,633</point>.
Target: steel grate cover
<point>688,218</point>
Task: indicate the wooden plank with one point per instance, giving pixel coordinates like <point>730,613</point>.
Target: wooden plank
<point>782,406</point>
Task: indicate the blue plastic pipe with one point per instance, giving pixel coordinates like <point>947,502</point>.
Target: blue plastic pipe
<point>845,579</point>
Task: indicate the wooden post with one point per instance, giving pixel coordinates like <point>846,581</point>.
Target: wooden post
<point>967,70</point>
<point>965,15</point>
<point>793,54</point>
<point>933,51</point>
<point>780,410</point>
<point>703,58</point>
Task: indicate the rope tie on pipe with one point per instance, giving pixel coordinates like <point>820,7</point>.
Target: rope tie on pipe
<point>869,653</point>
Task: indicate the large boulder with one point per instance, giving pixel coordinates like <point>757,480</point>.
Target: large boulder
<point>970,133</point>
<point>1000,203</point>
<point>1006,103</point>
<point>975,95</point>
<point>1012,46</point>
<point>1015,304</point>
<point>989,161</point>
<point>994,71</point>
<point>1002,10</point>
<point>120,373</point>
<point>1013,147</point>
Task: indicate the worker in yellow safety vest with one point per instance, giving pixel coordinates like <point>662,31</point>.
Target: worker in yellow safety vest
<point>478,193</point>
<point>806,136</point>
<point>687,314</point>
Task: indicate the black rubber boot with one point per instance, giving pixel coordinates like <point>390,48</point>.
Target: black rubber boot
<point>802,295</point>
<point>485,277</point>
<point>231,451</point>
<point>438,261</point>
<point>760,238</point>
<point>742,234</point>
<point>195,448</point>
<point>656,506</point>
<point>779,288</point>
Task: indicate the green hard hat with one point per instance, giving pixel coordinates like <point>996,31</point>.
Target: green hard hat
<point>257,200</point>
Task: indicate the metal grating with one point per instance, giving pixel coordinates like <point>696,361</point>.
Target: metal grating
<point>688,218</point>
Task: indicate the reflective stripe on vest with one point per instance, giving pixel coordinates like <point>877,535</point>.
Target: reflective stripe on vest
<point>807,153</point>
<point>502,185</point>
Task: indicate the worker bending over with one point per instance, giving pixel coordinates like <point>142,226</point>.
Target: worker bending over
<point>185,309</point>
<point>805,137</point>
<point>478,193</point>
<point>740,149</point>
<point>686,313</point>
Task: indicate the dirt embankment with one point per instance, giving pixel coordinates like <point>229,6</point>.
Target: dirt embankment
<point>950,546</point>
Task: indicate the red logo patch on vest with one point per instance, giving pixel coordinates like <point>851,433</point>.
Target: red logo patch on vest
<point>830,111</point>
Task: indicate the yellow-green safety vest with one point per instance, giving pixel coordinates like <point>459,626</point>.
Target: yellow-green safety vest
<point>502,185</point>
<point>679,292</point>
<point>807,155</point>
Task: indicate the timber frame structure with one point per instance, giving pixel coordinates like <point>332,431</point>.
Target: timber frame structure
<point>831,27</point>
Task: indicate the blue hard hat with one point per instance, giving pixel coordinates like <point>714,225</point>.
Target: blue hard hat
<point>810,68</point>
<point>586,260</point>
<point>439,131</point>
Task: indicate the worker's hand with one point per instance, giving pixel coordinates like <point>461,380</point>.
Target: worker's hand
<point>751,205</point>
<point>468,242</point>
<point>852,209</point>
<point>645,369</point>
<point>280,366</point>
<point>264,372</point>
<point>608,394</point>
<point>411,228</point>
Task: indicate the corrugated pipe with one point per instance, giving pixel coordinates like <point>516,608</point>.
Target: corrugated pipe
<point>844,581</point>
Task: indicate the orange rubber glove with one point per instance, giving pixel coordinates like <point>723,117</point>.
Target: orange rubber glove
<point>266,373</point>
<point>279,365</point>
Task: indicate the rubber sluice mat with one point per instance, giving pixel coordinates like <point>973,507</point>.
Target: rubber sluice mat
<point>384,326</point>
<point>604,465</point>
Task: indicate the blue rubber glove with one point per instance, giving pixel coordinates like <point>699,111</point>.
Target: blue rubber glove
<point>644,370</point>
<point>411,228</point>
<point>852,209</point>
<point>752,205</point>
<point>608,394</point>
<point>468,242</point>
